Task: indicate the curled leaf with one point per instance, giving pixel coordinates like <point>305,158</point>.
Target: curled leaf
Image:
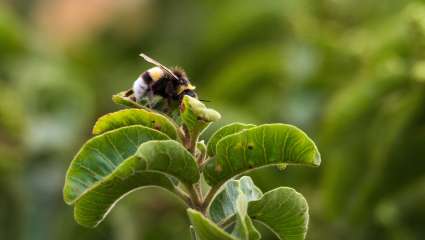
<point>100,156</point>
<point>129,117</point>
<point>121,98</point>
<point>223,132</point>
<point>232,203</point>
<point>93,206</point>
<point>224,204</point>
<point>196,116</point>
<point>284,211</point>
<point>169,157</point>
<point>152,165</point>
<point>269,144</point>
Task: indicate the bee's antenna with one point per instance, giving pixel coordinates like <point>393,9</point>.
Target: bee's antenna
<point>203,100</point>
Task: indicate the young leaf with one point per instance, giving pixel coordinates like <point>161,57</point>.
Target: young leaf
<point>232,202</point>
<point>101,155</point>
<point>128,117</point>
<point>205,229</point>
<point>244,228</point>
<point>223,132</point>
<point>196,116</point>
<point>201,150</point>
<point>224,206</point>
<point>284,211</point>
<point>268,144</point>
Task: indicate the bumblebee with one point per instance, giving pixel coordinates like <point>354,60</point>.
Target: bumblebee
<point>172,85</point>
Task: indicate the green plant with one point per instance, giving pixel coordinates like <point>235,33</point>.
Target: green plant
<point>140,147</point>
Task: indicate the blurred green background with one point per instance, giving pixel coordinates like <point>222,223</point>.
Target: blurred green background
<point>351,73</point>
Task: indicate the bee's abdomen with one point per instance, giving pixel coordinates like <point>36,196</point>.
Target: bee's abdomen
<point>146,79</point>
<point>140,87</point>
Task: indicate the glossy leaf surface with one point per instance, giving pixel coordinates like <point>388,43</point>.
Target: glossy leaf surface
<point>223,132</point>
<point>284,211</point>
<point>268,144</point>
<point>101,155</point>
<point>94,205</point>
<point>169,157</point>
<point>153,162</point>
<point>128,117</point>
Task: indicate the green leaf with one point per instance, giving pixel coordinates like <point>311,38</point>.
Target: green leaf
<point>169,157</point>
<point>128,117</point>
<point>244,228</point>
<point>284,211</point>
<point>205,229</point>
<point>101,155</point>
<point>232,202</point>
<point>269,144</point>
<point>192,233</point>
<point>196,116</point>
<point>224,204</point>
<point>201,149</point>
<point>93,206</point>
<point>153,162</point>
<point>122,99</point>
<point>223,132</point>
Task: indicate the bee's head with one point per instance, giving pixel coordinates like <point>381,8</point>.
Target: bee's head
<point>183,81</point>
<point>188,92</point>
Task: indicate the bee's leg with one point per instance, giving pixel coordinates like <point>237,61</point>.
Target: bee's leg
<point>169,104</point>
<point>171,92</point>
<point>128,93</point>
<point>150,98</point>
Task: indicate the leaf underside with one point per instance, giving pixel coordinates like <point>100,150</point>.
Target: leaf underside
<point>269,144</point>
<point>232,203</point>
<point>224,204</point>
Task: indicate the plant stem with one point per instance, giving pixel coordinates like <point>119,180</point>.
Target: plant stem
<point>227,222</point>
<point>196,200</point>
<point>203,163</point>
<point>193,140</point>
<point>206,202</point>
<point>183,195</point>
<point>193,233</point>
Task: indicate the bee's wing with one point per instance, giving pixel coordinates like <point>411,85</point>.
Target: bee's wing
<point>154,62</point>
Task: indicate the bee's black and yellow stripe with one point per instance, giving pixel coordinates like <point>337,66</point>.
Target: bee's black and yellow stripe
<point>158,82</point>
<point>154,74</point>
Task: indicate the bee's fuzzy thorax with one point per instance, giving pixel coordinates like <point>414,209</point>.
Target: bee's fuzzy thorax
<point>179,72</point>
